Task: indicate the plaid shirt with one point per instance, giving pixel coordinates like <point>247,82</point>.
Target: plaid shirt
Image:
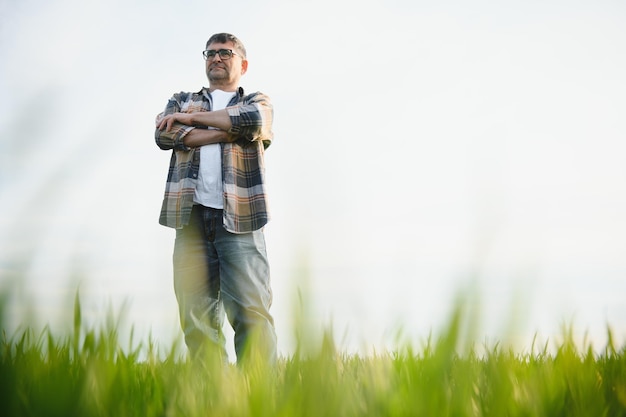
<point>243,166</point>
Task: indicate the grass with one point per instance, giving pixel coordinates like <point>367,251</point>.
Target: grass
<point>88,373</point>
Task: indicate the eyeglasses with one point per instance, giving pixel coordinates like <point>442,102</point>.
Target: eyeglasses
<point>223,53</point>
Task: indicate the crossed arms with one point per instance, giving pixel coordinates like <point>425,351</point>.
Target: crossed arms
<point>218,120</point>
<point>250,120</point>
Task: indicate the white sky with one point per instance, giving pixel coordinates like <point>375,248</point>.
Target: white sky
<point>421,147</point>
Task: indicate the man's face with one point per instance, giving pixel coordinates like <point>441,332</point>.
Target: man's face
<point>225,73</point>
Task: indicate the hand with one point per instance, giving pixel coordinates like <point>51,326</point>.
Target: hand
<point>167,121</point>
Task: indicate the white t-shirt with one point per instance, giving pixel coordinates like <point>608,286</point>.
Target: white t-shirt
<point>209,189</point>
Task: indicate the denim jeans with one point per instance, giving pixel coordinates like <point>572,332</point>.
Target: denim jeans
<point>216,273</point>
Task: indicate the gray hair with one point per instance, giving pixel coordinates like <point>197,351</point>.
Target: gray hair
<point>227,37</point>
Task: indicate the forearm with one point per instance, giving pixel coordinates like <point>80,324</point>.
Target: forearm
<point>218,119</point>
<point>200,137</point>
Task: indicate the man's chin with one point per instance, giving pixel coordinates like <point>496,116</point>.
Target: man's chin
<point>217,75</point>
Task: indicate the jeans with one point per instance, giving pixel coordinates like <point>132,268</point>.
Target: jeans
<point>216,273</point>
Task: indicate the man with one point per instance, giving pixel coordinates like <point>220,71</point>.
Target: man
<point>216,200</point>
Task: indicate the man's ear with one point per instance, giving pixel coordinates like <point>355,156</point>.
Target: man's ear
<point>244,66</point>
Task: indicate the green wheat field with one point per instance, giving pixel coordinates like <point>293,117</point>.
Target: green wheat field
<point>88,373</point>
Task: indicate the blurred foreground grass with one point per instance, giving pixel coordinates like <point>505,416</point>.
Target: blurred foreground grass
<point>88,373</point>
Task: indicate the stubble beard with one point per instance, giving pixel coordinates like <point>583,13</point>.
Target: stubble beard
<point>219,76</point>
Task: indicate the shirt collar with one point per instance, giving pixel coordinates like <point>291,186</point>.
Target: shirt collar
<point>205,91</point>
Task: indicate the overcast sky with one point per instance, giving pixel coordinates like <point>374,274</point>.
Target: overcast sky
<point>420,148</point>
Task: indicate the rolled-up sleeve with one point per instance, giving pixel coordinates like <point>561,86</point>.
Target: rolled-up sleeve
<point>174,138</point>
<point>252,120</point>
